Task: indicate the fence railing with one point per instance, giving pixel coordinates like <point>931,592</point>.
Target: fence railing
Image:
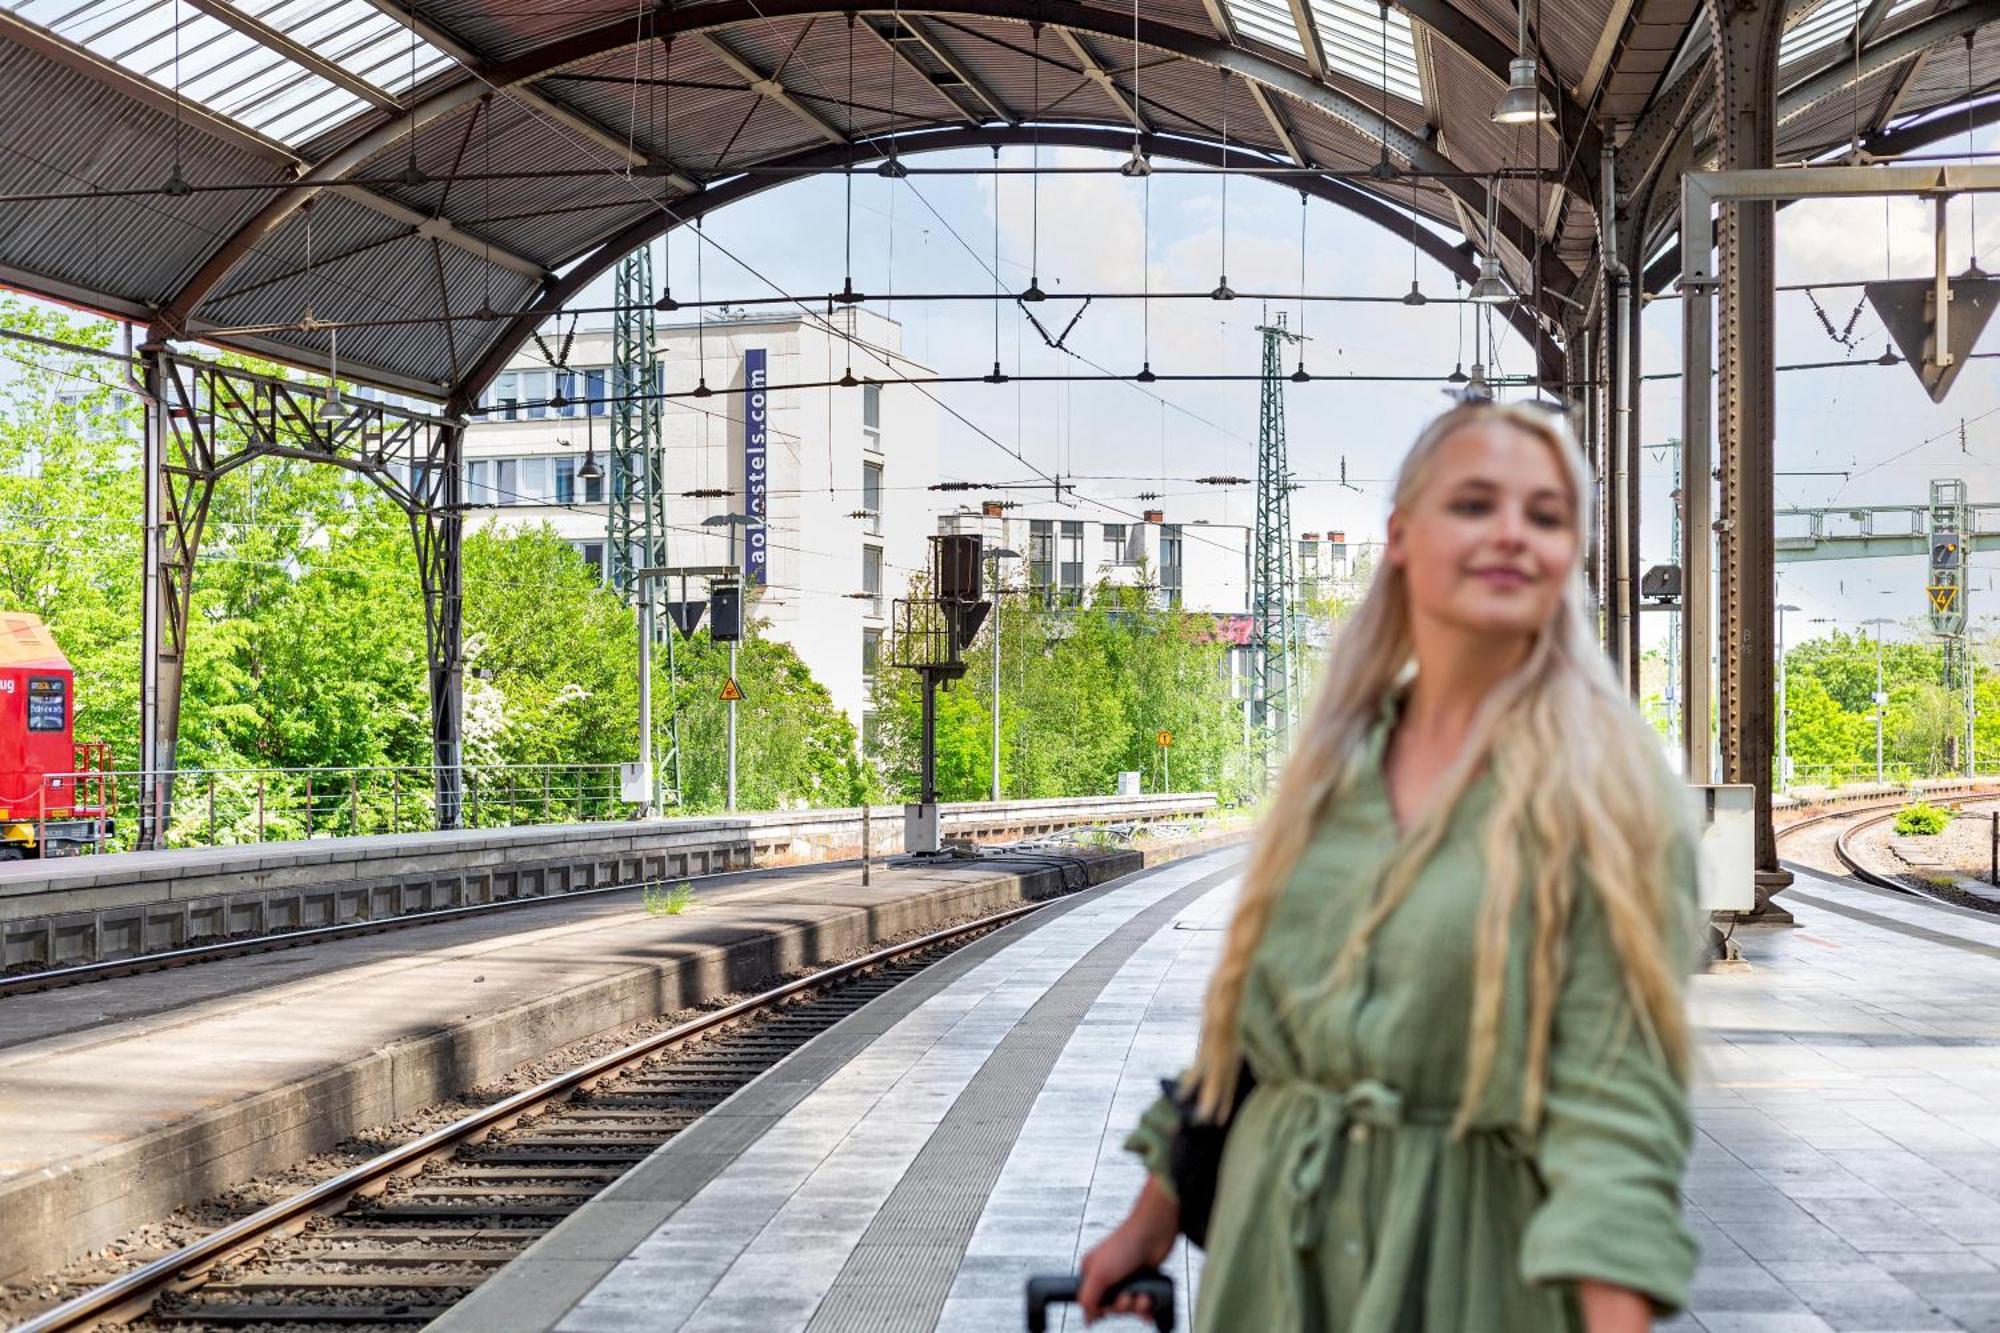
<point>224,807</point>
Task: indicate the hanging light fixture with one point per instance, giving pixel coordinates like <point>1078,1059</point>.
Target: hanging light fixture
<point>335,407</point>
<point>1415,296</point>
<point>1457,375</point>
<point>590,471</point>
<point>1491,288</point>
<point>1523,103</point>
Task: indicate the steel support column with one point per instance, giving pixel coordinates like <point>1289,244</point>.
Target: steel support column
<point>1633,256</point>
<point>1746,403</point>
<point>180,474</point>
<point>204,421</point>
<point>437,524</point>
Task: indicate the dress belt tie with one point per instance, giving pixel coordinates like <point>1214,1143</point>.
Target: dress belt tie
<point>1321,1126</point>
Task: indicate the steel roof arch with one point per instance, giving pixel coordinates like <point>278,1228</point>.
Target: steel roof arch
<point>564,288</point>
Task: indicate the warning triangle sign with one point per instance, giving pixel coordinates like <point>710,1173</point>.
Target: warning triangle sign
<point>1942,598</point>
<point>1908,310</point>
<point>731,691</point>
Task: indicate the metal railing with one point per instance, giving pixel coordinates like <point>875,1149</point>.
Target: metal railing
<point>226,807</point>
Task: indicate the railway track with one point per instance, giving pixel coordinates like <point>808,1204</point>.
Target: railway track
<point>396,1241</point>
<point>1847,824</point>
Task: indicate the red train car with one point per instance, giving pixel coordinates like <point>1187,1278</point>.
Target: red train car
<point>54,793</point>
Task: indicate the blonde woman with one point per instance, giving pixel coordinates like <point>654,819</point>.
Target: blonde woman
<point>1454,975</point>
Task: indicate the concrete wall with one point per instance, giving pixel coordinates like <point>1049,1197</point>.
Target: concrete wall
<point>88,909</point>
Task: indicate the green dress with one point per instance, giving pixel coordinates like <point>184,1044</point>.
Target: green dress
<point>1344,1203</point>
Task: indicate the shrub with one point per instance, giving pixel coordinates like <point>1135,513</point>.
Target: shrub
<point>1920,819</point>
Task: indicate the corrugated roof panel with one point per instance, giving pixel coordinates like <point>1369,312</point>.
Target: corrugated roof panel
<point>62,131</point>
<point>500,31</point>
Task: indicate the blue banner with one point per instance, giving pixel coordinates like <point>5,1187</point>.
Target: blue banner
<point>756,477</point>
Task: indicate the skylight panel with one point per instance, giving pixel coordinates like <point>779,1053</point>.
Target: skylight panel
<point>1268,21</point>
<point>1351,35</point>
<point>232,72</point>
<point>1830,24</point>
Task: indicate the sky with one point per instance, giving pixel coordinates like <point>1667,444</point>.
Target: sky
<point>1852,436</point>
<point>1864,435</point>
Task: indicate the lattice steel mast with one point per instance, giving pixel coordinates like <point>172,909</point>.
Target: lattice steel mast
<point>1275,693</point>
<point>636,529</point>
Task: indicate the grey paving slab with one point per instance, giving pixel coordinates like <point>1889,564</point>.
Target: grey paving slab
<point>1845,1176</point>
<point>816,1169</point>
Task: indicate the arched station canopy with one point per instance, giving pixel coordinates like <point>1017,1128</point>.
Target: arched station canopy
<point>214,165</point>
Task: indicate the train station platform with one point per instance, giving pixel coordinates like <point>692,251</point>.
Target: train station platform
<point>910,1168</point>
<point>123,1099</point>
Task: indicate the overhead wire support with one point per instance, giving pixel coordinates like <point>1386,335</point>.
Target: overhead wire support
<point>1274,629</point>
<point>636,508</point>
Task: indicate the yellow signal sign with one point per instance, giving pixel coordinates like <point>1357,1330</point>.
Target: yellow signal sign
<point>731,691</point>
<point>1943,597</point>
<point>1165,738</point>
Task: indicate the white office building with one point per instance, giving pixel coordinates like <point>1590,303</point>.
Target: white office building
<point>845,471</point>
<point>1067,549</point>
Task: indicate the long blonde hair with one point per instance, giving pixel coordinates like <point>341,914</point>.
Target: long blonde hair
<point>1581,798</point>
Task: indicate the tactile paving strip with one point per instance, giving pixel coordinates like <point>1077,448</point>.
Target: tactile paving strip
<point>898,1276</point>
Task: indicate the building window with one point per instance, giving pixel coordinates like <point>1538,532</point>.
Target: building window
<point>1114,544</point>
<point>871,578</point>
<point>1041,557</point>
<point>871,495</point>
<point>535,391</point>
<point>505,395</point>
<point>1072,562</point>
<point>534,481</point>
<point>593,555</point>
<point>593,489</point>
<point>871,652</point>
<point>870,731</point>
<point>562,479</point>
<point>871,416</point>
<point>1170,563</point>
<point>593,389</point>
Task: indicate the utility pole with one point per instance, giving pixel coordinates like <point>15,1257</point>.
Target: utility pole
<point>1275,690</point>
<point>1881,698</point>
<point>996,555</point>
<point>636,517</point>
<point>1784,751</point>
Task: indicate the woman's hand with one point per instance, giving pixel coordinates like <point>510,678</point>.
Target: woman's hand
<point>1609,1309</point>
<point>1142,1240</point>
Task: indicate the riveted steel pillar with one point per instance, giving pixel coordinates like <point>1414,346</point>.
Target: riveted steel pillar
<point>437,523</point>
<point>1747,36</point>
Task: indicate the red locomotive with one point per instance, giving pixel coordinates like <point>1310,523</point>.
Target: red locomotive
<point>55,795</point>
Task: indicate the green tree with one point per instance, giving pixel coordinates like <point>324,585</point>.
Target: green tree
<point>1826,741</point>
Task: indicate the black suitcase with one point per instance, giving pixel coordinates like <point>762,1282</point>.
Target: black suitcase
<point>1061,1290</point>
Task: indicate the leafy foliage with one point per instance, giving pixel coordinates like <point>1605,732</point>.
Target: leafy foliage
<point>1921,819</point>
<point>306,648</point>
<point>1084,693</point>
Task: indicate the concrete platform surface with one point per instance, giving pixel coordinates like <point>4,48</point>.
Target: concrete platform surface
<point>122,1099</point>
<point>911,1167</point>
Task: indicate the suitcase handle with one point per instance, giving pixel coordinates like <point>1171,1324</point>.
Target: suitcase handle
<point>1061,1290</point>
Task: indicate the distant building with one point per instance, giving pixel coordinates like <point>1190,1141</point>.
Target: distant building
<point>1198,566</point>
<point>848,508</point>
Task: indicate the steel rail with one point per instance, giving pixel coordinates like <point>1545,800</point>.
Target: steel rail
<point>1861,872</point>
<point>188,1267</point>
